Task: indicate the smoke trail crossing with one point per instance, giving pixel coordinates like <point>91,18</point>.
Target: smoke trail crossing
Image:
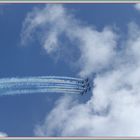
<point>41,84</point>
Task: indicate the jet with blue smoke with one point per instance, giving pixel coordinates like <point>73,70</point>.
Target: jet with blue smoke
<point>43,84</point>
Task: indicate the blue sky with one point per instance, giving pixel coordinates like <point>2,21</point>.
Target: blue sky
<point>20,114</point>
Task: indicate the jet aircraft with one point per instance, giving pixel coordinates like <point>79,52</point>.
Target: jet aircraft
<point>86,86</point>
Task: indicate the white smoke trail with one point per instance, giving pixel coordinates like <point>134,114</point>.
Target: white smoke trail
<point>31,91</point>
<point>47,77</point>
<point>35,82</point>
<point>44,84</point>
<point>62,77</point>
<point>6,87</point>
<point>38,79</point>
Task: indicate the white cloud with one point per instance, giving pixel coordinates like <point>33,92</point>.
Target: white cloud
<point>2,134</point>
<point>40,20</point>
<point>137,6</point>
<point>113,110</point>
<point>52,21</point>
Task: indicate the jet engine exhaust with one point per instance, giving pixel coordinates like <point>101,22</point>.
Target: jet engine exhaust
<point>43,84</point>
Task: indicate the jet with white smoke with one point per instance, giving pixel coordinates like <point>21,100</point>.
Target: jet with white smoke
<point>42,84</point>
<point>113,109</point>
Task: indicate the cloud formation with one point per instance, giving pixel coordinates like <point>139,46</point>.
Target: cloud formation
<point>53,21</point>
<point>137,6</point>
<point>2,134</point>
<point>113,109</point>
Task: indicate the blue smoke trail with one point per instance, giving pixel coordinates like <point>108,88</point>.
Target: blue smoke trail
<point>40,84</point>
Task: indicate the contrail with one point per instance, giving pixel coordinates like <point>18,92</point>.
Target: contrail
<point>39,90</point>
<point>61,77</point>
<point>41,84</point>
<point>20,92</point>
<point>39,79</point>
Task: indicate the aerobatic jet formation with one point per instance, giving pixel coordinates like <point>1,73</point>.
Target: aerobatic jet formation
<point>86,86</point>
<point>43,84</point>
